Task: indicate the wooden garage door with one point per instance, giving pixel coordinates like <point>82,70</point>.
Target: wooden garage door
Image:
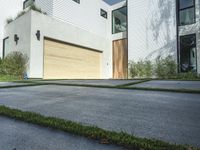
<point>66,61</point>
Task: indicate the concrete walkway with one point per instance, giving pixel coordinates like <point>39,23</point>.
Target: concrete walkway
<point>172,117</point>
<point>23,136</point>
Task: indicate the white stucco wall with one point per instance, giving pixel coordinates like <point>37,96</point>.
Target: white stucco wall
<point>8,9</point>
<point>151,29</point>
<point>59,30</point>
<point>21,27</point>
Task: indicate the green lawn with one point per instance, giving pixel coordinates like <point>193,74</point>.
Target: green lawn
<point>6,78</point>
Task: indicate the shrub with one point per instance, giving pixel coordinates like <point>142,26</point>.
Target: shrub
<point>140,69</point>
<point>188,75</point>
<point>165,68</point>
<point>14,64</point>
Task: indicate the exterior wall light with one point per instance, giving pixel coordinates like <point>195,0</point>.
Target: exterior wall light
<point>38,35</point>
<point>16,38</point>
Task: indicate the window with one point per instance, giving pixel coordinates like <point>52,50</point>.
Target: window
<point>119,20</point>
<point>28,3</point>
<point>188,59</point>
<point>5,46</point>
<point>186,12</point>
<point>77,1</point>
<point>104,13</point>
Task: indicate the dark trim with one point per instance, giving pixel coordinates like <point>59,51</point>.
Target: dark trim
<point>77,1</point>
<point>104,11</point>
<point>177,36</point>
<point>25,2</point>
<point>126,18</point>
<point>127,26</point>
<point>63,42</point>
<point>179,10</point>
<point>3,56</point>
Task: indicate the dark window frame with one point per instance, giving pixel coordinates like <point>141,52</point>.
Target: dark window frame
<point>126,18</point>
<point>182,9</point>
<point>195,45</point>
<point>25,3</point>
<point>3,56</point>
<point>77,1</point>
<point>104,13</point>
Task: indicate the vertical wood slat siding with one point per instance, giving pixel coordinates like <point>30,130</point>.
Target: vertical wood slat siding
<point>120,59</point>
<point>64,61</point>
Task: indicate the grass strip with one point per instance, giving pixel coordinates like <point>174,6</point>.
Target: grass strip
<point>22,85</point>
<point>105,86</point>
<point>104,136</point>
<point>134,83</point>
<point>131,88</point>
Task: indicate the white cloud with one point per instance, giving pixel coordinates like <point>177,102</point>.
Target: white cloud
<point>8,8</point>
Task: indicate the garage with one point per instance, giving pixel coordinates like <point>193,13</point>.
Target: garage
<point>68,61</point>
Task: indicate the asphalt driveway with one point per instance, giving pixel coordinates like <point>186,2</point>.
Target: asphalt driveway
<point>172,117</point>
<point>23,136</point>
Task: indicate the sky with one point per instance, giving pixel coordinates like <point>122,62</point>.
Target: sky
<point>10,8</point>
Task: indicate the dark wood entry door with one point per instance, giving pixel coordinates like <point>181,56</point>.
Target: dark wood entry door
<point>120,59</point>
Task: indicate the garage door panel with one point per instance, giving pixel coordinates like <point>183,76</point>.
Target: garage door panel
<point>64,61</point>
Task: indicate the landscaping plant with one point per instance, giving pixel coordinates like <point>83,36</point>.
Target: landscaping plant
<point>162,68</point>
<point>14,65</point>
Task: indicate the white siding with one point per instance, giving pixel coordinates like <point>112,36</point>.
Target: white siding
<point>151,29</point>
<point>45,5</point>
<point>85,15</point>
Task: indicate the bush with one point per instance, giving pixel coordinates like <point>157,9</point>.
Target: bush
<point>140,69</point>
<point>14,64</point>
<point>162,68</point>
<point>188,75</point>
<point>166,68</point>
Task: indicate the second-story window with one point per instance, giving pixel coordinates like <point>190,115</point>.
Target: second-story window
<point>186,12</point>
<point>28,3</point>
<point>77,1</point>
<point>119,20</point>
<point>104,13</point>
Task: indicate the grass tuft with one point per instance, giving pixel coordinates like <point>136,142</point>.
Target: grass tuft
<point>92,132</point>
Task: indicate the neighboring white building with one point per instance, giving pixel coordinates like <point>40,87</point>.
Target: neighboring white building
<point>90,39</point>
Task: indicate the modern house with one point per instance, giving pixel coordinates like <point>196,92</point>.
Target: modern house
<point>89,39</point>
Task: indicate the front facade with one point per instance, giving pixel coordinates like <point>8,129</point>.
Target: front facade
<point>89,39</point>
